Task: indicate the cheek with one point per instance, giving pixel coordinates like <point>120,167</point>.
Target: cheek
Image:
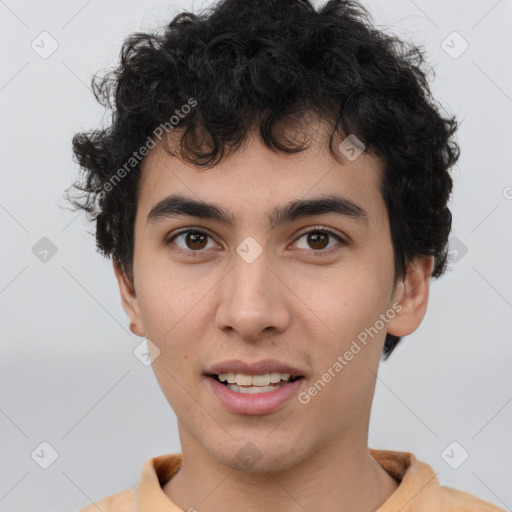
<point>349,303</point>
<point>175,316</point>
<point>347,300</point>
<point>167,294</point>
<point>347,353</point>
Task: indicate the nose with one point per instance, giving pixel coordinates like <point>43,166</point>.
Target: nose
<point>254,300</point>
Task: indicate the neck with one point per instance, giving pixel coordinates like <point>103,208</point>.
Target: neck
<point>332,479</point>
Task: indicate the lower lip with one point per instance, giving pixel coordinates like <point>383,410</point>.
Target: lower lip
<point>259,403</point>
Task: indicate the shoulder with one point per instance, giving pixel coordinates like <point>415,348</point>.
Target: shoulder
<point>419,489</point>
<point>147,492</point>
<point>120,502</point>
<point>461,501</point>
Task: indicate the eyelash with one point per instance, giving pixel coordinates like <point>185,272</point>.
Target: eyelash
<point>316,229</point>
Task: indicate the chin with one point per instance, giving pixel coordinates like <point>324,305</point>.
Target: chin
<point>254,458</point>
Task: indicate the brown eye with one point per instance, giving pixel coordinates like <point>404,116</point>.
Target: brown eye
<point>191,241</point>
<point>318,239</point>
<point>195,240</point>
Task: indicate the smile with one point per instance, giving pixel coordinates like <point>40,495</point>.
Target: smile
<point>249,398</point>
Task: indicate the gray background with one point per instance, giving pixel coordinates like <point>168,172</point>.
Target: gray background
<point>67,372</point>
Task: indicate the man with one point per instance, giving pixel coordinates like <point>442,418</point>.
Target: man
<point>273,192</point>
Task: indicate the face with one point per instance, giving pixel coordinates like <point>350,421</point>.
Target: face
<point>300,290</point>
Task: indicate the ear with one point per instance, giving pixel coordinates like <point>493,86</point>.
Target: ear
<point>412,294</point>
<point>129,300</point>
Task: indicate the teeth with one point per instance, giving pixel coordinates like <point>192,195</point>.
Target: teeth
<point>252,390</point>
<point>254,380</point>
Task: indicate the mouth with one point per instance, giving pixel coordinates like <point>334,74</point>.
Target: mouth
<point>253,394</point>
<point>256,387</point>
<point>254,384</point>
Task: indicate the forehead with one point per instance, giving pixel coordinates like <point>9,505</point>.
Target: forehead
<point>255,180</point>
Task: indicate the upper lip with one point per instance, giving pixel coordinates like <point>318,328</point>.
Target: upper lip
<point>255,368</point>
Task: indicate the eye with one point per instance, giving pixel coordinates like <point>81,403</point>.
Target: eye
<point>318,239</point>
<point>194,241</point>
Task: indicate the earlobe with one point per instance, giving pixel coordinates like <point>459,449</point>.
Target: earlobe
<point>412,294</point>
<point>129,300</point>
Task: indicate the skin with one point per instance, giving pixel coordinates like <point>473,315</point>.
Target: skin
<point>289,305</point>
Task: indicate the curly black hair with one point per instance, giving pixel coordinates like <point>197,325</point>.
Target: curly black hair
<point>245,65</point>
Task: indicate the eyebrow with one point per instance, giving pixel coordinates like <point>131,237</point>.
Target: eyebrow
<point>178,205</point>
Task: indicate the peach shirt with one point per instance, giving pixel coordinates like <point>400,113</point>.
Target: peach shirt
<point>418,490</point>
